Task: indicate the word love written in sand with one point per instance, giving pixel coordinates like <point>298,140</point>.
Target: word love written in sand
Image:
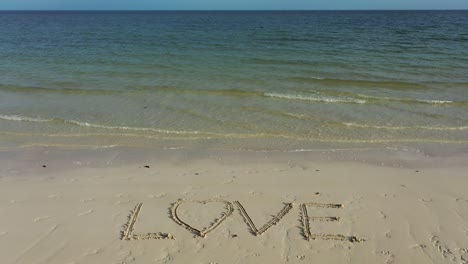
<point>127,233</point>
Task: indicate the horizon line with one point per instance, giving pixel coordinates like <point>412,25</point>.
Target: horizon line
<point>218,10</point>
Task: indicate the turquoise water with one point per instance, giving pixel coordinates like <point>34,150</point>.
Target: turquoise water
<point>234,80</point>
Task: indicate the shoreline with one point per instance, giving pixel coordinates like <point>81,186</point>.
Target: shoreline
<point>390,156</point>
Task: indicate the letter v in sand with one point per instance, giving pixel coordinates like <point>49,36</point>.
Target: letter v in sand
<point>253,229</point>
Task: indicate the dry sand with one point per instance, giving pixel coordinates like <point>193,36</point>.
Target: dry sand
<point>291,208</point>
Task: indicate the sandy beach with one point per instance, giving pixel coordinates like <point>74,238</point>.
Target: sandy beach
<point>113,206</point>
<point>233,132</point>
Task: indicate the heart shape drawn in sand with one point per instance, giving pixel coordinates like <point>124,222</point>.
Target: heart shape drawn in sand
<point>215,223</point>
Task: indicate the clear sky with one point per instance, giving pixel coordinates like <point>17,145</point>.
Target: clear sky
<point>228,4</point>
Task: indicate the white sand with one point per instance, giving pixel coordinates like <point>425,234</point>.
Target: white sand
<point>75,211</point>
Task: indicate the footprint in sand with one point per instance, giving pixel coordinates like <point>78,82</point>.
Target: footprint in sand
<point>418,246</point>
<point>41,218</point>
<point>445,251</point>
<point>464,254</point>
<point>86,213</point>
<point>425,200</point>
<point>3,233</point>
<point>152,196</point>
<point>388,234</point>
<point>229,181</point>
<point>382,215</point>
<point>92,252</point>
<point>390,257</point>
<point>87,200</point>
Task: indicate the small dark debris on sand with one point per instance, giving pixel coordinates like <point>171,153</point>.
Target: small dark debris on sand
<point>146,166</point>
<point>44,166</point>
<point>197,173</point>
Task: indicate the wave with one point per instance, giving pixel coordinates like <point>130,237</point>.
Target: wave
<point>207,135</point>
<point>361,83</point>
<point>327,96</point>
<point>38,89</point>
<point>426,101</point>
<point>316,98</point>
<point>197,135</point>
<point>405,127</point>
<point>225,92</point>
<point>347,141</point>
<point>23,118</point>
<point>309,150</point>
<point>179,90</point>
<point>432,101</point>
<point>83,135</point>
<point>241,136</point>
<point>142,89</point>
<point>86,124</point>
<point>371,99</point>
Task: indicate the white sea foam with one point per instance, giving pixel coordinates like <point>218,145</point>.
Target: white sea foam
<point>427,101</point>
<point>85,124</point>
<point>23,118</point>
<point>316,98</point>
<point>406,127</point>
<point>436,101</point>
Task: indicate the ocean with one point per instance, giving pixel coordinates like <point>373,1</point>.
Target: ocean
<point>257,80</point>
